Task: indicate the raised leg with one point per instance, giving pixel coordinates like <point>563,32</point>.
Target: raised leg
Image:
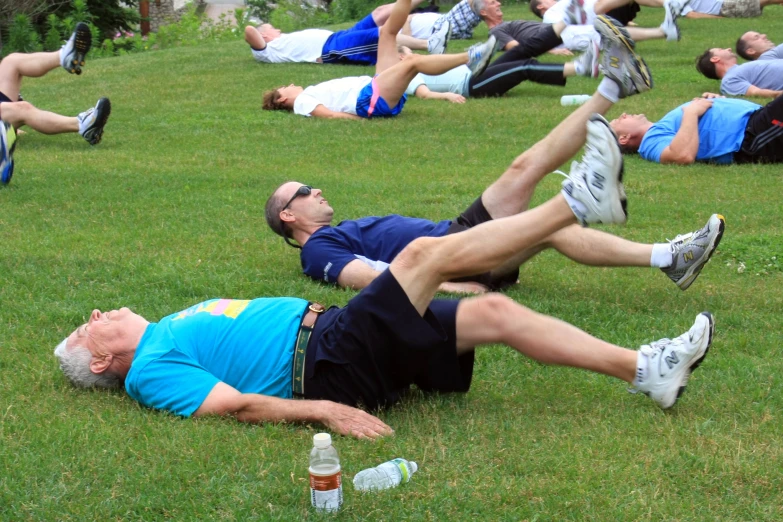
<point>16,66</point>
<point>24,113</point>
<point>393,81</point>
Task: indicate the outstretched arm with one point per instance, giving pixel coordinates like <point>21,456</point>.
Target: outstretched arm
<point>685,145</point>
<point>424,92</point>
<point>694,14</point>
<point>255,408</point>
<point>766,93</point>
<point>322,112</point>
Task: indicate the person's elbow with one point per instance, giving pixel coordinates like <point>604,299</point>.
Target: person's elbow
<point>679,159</point>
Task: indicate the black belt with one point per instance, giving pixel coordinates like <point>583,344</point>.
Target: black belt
<point>300,350</point>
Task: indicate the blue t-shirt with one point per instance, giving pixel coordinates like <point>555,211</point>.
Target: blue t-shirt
<point>248,345</point>
<point>721,130</point>
<point>764,74</point>
<point>374,240</point>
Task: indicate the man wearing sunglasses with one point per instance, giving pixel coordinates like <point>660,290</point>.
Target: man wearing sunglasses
<point>355,252</point>
<point>248,359</point>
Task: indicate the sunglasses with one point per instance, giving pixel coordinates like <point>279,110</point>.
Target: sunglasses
<point>304,190</point>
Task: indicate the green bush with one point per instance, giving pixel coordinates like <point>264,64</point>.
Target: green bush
<point>22,36</point>
<point>348,10</point>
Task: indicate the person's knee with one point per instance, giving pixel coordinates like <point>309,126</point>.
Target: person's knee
<point>418,253</point>
<point>502,314</point>
<point>17,112</point>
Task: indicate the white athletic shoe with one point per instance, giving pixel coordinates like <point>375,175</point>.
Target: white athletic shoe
<point>92,121</point>
<point>76,48</point>
<point>619,61</point>
<point>439,39</point>
<point>575,13</point>
<point>587,64</point>
<point>597,181</point>
<point>691,251</point>
<point>669,26</point>
<point>670,362</point>
<point>480,54</point>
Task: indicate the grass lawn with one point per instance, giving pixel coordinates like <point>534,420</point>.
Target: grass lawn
<point>168,211</point>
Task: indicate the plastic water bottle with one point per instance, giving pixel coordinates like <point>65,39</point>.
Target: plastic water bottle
<point>574,99</point>
<point>326,483</point>
<point>387,475</point>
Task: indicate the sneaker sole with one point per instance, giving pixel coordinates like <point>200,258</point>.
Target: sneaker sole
<point>692,273</point>
<point>698,362</point>
<point>620,189</point>
<point>103,109</point>
<point>81,47</point>
<point>608,29</point>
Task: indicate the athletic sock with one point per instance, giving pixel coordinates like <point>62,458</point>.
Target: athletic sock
<point>609,90</point>
<point>642,366</point>
<point>579,68</point>
<point>661,255</point>
<point>575,204</point>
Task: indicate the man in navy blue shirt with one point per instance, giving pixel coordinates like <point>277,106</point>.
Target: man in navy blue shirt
<point>255,361</point>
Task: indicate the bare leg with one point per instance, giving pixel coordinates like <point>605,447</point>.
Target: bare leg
<point>24,113</point>
<point>604,6</point>
<point>381,13</point>
<point>387,37</point>
<point>393,81</point>
<point>497,319</point>
<point>764,3</point>
<point>18,65</point>
<point>511,193</point>
<point>646,33</point>
<point>427,262</point>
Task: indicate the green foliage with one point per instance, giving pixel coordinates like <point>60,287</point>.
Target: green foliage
<point>293,15</point>
<point>54,37</point>
<point>261,9</point>
<point>22,36</point>
<point>345,10</point>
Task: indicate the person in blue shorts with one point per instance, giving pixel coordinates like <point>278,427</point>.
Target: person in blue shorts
<point>710,129</point>
<point>356,45</point>
<point>383,95</point>
<point>290,360</point>
<point>17,112</point>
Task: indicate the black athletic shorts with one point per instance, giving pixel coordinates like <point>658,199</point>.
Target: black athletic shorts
<point>370,352</point>
<point>626,13</point>
<point>476,214</point>
<point>763,141</point>
<point>4,98</point>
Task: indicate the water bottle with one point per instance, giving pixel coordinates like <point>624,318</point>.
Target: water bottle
<point>387,475</point>
<point>574,99</point>
<point>326,484</point>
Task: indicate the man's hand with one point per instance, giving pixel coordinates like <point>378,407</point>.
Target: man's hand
<point>346,420</point>
<point>710,95</point>
<point>698,106</point>
<point>466,287</point>
<point>454,98</point>
<point>562,51</point>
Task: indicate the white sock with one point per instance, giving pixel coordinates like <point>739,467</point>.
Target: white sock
<point>661,256</point>
<point>579,68</point>
<point>609,90</point>
<point>642,364</point>
<point>574,203</point>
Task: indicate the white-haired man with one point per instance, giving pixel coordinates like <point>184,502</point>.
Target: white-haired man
<point>248,359</point>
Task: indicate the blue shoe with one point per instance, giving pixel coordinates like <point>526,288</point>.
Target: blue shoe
<point>7,145</point>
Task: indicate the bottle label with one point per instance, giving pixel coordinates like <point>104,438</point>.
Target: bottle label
<point>326,492</point>
<point>403,469</point>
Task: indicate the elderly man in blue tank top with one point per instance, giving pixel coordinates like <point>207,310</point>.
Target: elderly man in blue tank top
<point>249,359</point>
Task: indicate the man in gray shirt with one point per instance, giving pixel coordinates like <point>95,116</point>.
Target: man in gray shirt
<point>759,78</point>
<point>756,46</point>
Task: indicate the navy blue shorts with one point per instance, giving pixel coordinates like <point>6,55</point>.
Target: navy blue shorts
<point>371,351</point>
<point>357,45</point>
<point>4,98</point>
<point>625,14</point>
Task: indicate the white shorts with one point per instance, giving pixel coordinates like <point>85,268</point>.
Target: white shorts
<point>421,24</point>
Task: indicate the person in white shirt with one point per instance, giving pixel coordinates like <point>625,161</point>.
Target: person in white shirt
<point>356,45</point>
<point>383,95</point>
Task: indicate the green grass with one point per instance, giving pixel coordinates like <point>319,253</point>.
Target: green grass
<point>167,212</point>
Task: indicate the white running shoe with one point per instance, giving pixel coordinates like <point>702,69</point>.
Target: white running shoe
<point>76,48</point>
<point>575,13</point>
<point>92,121</point>
<point>619,61</point>
<point>670,362</point>
<point>587,64</point>
<point>691,251</point>
<point>669,26</point>
<point>480,54</point>
<point>439,39</point>
<point>597,181</point>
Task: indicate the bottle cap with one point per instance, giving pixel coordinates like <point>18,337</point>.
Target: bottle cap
<point>322,440</point>
<point>414,467</point>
